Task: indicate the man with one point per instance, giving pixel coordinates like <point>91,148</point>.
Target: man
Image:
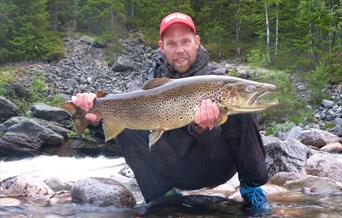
<point>200,154</point>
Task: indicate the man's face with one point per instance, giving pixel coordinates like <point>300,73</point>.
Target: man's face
<point>180,47</point>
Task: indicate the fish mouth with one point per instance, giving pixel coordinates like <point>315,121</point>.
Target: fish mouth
<point>255,99</point>
<point>254,103</point>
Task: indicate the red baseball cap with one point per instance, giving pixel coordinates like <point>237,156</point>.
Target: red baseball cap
<point>173,18</point>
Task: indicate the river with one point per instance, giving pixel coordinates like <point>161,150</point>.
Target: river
<point>72,169</point>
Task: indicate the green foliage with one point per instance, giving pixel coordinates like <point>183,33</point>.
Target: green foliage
<point>257,57</point>
<point>38,90</point>
<point>85,135</point>
<point>291,107</point>
<point>275,128</point>
<point>25,34</point>
<point>7,75</point>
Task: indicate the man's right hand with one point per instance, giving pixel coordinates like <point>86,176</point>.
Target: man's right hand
<point>86,102</point>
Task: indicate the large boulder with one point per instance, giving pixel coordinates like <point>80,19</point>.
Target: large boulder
<point>317,138</point>
<point>26,187</point>
<point>314,184</point>
<point>332,148</point>
<point>282,177</point>
<point>292,133</point>
<point>102,192</point>
<point>288,156</point>
<point>324,165</point>
<point>8,109</point>
<point>23,136</point>
<point>122,64</point>
<point>19,145</point>
<point>47,112</point>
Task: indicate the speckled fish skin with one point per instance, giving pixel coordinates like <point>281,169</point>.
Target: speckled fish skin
<point>164,104</point>
<point>173,104</point>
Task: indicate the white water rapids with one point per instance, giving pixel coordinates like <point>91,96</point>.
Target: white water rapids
<point>64,168</point>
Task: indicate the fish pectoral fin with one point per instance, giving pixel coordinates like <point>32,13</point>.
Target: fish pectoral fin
<point>222,119</point>
<point>155,136</point>
<point>111,127</point>
<point>155,83</point>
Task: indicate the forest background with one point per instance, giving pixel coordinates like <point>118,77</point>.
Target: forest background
<point>302,37</point>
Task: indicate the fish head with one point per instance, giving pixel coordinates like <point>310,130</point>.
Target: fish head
<point>243,96</point>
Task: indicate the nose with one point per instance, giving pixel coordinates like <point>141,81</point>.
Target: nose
<point>179,49</point>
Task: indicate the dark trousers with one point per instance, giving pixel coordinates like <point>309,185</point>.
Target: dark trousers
<point>179,160</point>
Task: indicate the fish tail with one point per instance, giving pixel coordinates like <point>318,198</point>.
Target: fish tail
<point>77,116</point>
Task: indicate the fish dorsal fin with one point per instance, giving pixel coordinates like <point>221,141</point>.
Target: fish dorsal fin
<point>111,127</point>
<point>100,94</point>
<point>155,83</point>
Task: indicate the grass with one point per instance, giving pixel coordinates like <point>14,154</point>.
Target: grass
<point>38,90</point>
<point>291,108</point>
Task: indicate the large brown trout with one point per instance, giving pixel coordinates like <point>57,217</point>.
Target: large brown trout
<point>164,104</point>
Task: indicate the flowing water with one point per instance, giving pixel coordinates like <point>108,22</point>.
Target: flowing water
<point>72,169</point>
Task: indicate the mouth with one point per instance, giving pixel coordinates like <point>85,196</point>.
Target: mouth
<point>180,60</point>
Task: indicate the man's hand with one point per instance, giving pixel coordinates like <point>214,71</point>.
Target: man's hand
<point>207,114</point>
<point>86,102</point>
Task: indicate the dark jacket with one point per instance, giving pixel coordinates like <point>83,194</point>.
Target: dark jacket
<point>184,142</point>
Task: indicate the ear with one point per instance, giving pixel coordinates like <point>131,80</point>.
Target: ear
<point>161,45</point>
<point>198,40</point>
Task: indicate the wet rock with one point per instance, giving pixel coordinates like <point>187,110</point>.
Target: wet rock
<point>9,202</point>
<point>60,197</point>
<point>317,138</point>
<point>288,156</point>
<point>8,109</point>
<point>47,112</point>
<point>324,165</point>
<point>332,148</point>
<point>314,184</point>
<point>27,187</point>
<point>102,192</point>
<point>122,64</point>
<point>57,185</point>
<point>23,136</point>
<point>30,128</point>
<point>282,177</point>
<point>19,145</point>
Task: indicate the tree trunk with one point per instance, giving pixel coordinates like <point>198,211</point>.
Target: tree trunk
<point>237,30</point>
<point>267,33</point>
<point>310,40</point>
<point>112,20</point>
<point>276,33</point>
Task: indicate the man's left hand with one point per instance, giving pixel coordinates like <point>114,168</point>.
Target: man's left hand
<point>207,114</point>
